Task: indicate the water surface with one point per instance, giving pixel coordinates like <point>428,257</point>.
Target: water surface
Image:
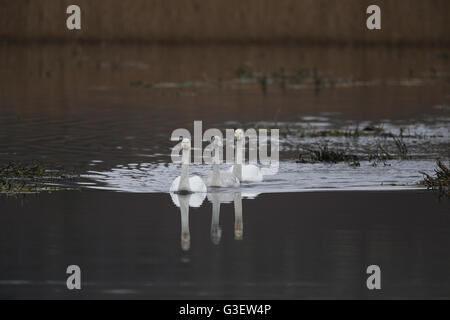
<point>310,231</point>
<point>291,245</point>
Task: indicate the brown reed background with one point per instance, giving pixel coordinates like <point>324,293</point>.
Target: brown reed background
<point>240,21</point>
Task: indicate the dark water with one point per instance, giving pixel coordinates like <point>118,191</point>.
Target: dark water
<point>70,104</point>
<point>107,112</point>
<point>308,245</point>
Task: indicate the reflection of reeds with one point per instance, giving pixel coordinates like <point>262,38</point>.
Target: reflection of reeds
<point>441,181</point>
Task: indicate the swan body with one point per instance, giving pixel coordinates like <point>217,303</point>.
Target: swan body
<point>195,199</point>
<point>196,184</point>
<point>247,172</point>
<point>184,183</point>
<point>244,172</point>
<point>223,179</point>
<point>218,178</point>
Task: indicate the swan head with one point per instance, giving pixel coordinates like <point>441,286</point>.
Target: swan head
<point>186,144</point>
<point>239,134</point>
<point>217,142</point>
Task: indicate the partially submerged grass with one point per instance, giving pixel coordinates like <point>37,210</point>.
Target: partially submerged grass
<point>20,178</point>
<point>401,145</point>
<point>375,154</point>
<point>324,154</point>
<point>378,154</point>
<point>308,131</point>
<point>440,182</point>
<point>285,79</point>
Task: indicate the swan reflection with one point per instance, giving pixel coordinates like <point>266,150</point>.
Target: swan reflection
<point>184,201</point>
<point>216,199</point>
<point>238,223</point>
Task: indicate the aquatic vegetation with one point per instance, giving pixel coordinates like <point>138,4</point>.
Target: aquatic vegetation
<point>17,177</point>
<point>401,146</point>
<point>440,181</point>
<point>375,154</point>
<point>141,84</point>
<point>379,154</point>
<point>309,131</point>
<point>324,154</point>
<point>301,79</point>
<point>350,133</point>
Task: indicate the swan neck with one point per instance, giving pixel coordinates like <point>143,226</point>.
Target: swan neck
<point>216,159</point>
<point>237,168</point>
<point>185,157</point>
<point>184,178</point>
<point>237,171</point>
<point>239,151</point>
<point>216,168</point>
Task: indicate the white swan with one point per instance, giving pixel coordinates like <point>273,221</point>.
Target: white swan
<point>184,183</point>
<point>224,179</point>
<point>184,202</point>
<point>244,172</point>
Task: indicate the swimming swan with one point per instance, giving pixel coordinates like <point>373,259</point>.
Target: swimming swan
<point>184,183</point>
<point>219,178</point>
<point>244,172</point>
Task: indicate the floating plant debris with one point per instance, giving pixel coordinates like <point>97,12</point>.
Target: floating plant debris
<point>18,177</point>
